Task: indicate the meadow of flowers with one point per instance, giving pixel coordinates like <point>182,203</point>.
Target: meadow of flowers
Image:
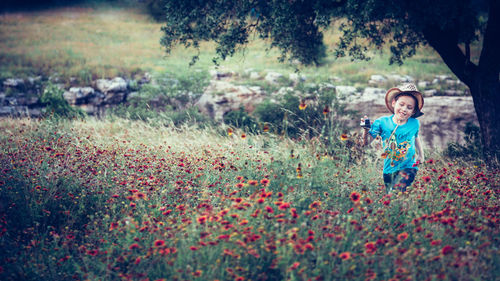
<point>111,200</point>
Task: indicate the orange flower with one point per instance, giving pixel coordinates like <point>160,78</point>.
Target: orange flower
<point>197,273</point>
<point>229,131</point>
<point>302,105</point>
<point>243,136</point>
<point>253,182</point>
<point>265,128</point>
<point>326,110</point>
<point>345,255</point>
<point>344,137</point>
<point>402,236</point>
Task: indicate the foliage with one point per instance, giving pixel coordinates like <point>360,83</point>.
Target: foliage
<point>296,27</point>
<point>56,106</point>
<point>168,99</point>
<point>305,115</point>
<point>241,119</point>
<point>156,9</point>
<point>85,200</point>
<point>471,149</point>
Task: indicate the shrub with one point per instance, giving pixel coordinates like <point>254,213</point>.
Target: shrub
<point>55,104</point>
<point>241,119</point>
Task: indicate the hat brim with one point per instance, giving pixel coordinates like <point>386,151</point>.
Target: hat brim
<point>392,93</point>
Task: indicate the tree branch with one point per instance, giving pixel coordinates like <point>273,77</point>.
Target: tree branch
<point>446,44</point>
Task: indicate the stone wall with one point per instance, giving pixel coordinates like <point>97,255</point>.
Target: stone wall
<point>446,111</point>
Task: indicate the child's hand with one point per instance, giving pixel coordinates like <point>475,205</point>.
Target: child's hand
<point>365,123</point>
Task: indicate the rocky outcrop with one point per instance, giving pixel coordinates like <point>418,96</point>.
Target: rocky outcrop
<point>221,97</point>
<point>447,106</point>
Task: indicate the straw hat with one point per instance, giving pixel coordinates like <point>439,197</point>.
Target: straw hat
<point>410,89</point>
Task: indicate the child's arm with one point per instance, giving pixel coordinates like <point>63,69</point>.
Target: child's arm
<point>420,150</point>
<point>366,138</point>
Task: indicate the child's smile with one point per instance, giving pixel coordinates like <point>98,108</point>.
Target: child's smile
<point>404,107</point>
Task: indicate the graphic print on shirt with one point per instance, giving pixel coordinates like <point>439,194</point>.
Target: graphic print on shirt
<point>396,151</point>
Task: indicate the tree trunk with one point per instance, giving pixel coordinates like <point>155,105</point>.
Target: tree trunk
<point>486,96</point>
<point>483,79</point>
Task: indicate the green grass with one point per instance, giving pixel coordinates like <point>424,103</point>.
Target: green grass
<point>100,41</point>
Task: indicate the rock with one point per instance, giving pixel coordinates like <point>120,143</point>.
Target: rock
<point>273,77</point>
<point>423,84</point>
<point>219,74</point>
<point>13,82</point>
<point>114,98</point>
<point>400,78</point>
<point>78,95</point>
<point>442,77</point>
<point>374,91</point>
<point>377,79</point>
<point>296,78</point>
<point>255,75</point>
<point>221,97</point>
<point>117,84</point>
<point>345,91</point>
<point>429,93</point>
<point>27,100</point>
<point>453,93</point>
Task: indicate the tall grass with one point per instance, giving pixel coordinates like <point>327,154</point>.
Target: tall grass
<point>107,200</point>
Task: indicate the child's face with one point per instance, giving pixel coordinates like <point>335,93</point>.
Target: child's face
<point>404,107</point>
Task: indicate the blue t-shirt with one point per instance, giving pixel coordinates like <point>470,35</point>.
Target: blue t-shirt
<point>399,151</point>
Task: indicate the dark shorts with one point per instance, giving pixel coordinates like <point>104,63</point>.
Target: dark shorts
<point>399,180</point>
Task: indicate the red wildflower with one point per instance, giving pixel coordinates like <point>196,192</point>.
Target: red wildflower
<point>113,226</point>
<point>92,253</point>
<point>193,248</point>
<point>134,246</point>
<point>426,179</point>
<point>202,219</point>
<point>159,243</point>
<point>355,197</point>
<point>294,266</point>
<point>447,250</point>
<point>284,206</point>
<point>370,247</point>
